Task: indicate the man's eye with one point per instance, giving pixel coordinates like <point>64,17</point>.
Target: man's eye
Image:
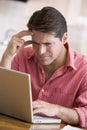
<point>45,44</point>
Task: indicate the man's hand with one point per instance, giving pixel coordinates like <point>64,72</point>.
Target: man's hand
<point>68,115</point>
<point>44,108</point>
<point>13,47</point>
<point>17,42</point>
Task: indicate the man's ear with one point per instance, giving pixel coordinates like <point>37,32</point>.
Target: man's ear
<point>65,38</point>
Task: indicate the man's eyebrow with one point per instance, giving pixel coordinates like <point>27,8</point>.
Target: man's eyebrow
<point>35,42</point>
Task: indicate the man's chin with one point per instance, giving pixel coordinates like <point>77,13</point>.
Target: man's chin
<point>45,63</point>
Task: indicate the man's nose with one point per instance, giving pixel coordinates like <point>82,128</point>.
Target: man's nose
<point>42,49</point>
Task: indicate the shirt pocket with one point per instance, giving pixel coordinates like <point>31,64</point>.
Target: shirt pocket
<point>62,97</point>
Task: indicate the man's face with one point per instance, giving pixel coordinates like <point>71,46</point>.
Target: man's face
<point>48,48</point>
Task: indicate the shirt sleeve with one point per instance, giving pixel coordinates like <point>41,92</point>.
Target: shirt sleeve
<point>19,61</point>
<point>14,63</point>
<point>81,102</point>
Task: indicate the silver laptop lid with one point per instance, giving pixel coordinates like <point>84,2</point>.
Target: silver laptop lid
<point>15,94</point>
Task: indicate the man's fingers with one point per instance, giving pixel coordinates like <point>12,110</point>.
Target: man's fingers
<point>38,110</point>
<point>27,43</point>
<point>37,104</point>
<point>23,33</point>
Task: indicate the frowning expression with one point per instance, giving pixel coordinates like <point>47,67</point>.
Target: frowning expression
<point>48,48</point>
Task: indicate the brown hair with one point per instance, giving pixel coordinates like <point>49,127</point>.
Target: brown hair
<point>48,20</point>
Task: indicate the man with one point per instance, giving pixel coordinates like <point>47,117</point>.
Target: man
<point>59,75</point>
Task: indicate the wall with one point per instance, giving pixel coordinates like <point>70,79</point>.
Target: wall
<point>14,16</point>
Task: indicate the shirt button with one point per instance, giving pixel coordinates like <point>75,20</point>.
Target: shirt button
<point>42,90</point>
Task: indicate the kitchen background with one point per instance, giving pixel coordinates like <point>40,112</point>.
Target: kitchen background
<point>14,15</point>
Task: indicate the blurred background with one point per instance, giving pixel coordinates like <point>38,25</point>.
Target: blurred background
<point>14,15</point>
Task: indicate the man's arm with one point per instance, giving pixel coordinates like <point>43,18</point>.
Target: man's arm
<point>68,115</point>
<point>6,60</point>
<point>13,47</point>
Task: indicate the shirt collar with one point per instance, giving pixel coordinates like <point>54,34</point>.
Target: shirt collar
<point>70,59</point>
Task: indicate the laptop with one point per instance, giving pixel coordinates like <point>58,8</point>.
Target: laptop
<point>16,97</point>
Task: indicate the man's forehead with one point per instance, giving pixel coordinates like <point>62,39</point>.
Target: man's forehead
<point>35,32</point>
